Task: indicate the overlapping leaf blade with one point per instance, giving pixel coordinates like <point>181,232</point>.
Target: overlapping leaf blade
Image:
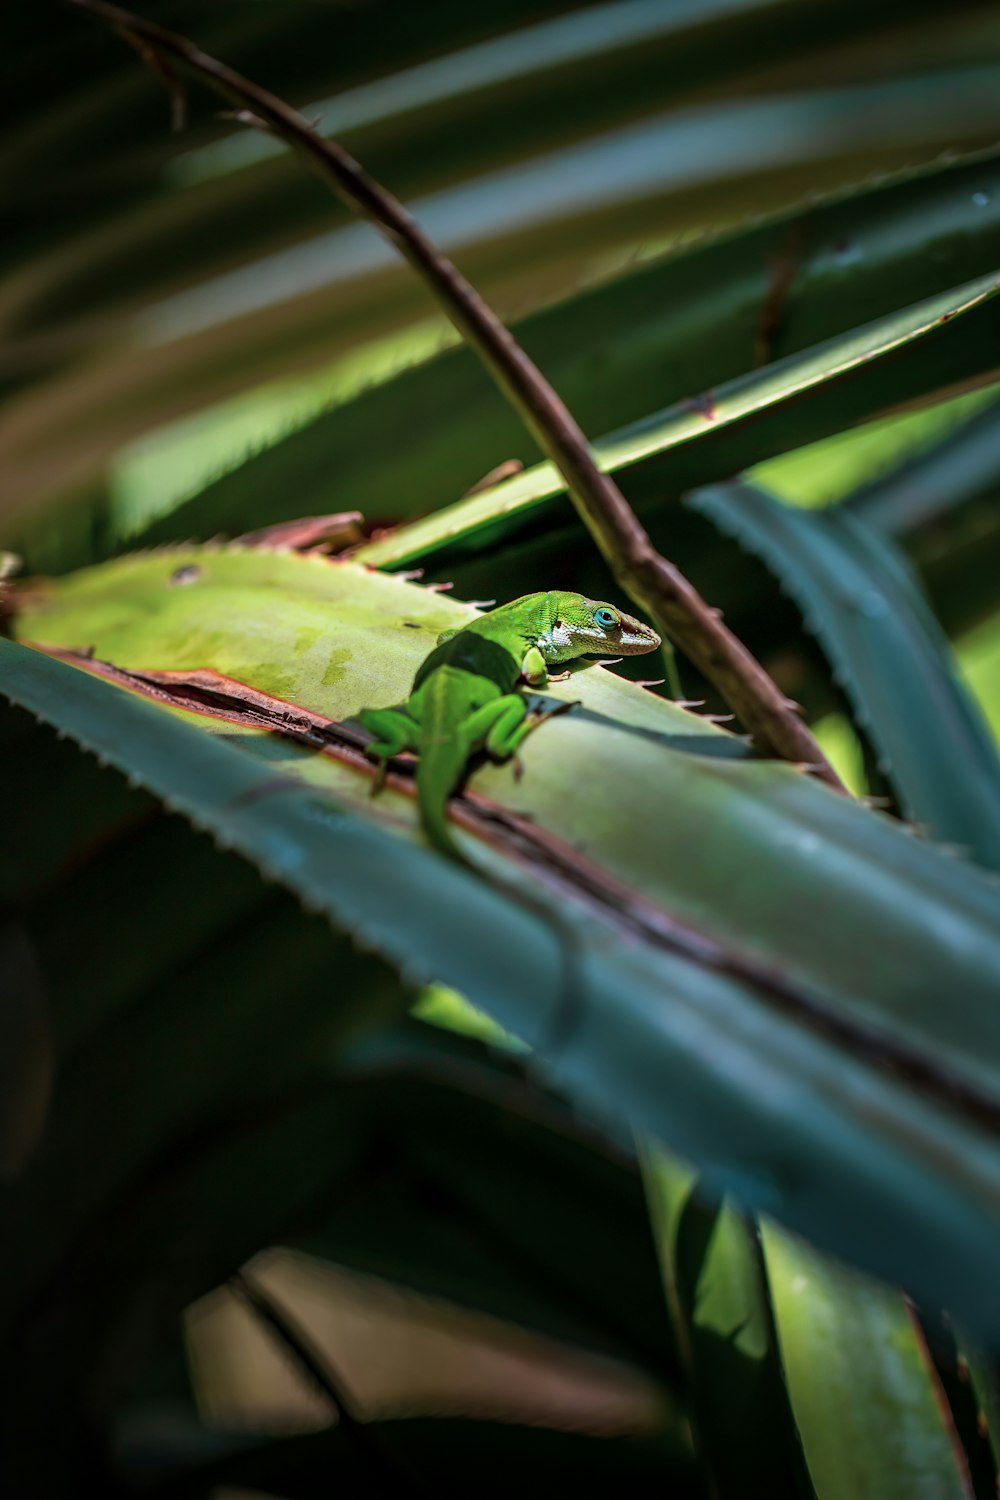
<point>834,866</point>
<point>434,1218</point>
<point>715,1286</point>
<point>659,334</point>
<point>862,1389</point>
<point>888,653</point>
<point>795,400</point>
<point>95,281</point>
<point>646,339</point>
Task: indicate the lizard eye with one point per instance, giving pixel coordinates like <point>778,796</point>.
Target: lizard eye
<point>606,618</point>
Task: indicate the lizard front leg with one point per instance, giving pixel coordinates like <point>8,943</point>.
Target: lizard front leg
<point>533,668</point>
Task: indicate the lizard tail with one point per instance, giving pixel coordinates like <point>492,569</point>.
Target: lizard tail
<point>439,771</point>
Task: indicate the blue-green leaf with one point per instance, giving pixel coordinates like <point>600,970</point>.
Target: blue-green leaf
<point>887,652</point>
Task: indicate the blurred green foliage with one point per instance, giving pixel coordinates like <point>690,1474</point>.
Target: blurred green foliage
<point>755,244</point>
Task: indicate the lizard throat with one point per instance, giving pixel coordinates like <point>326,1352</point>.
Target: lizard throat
<point>558,643</point>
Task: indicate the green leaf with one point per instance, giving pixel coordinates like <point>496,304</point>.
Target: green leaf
<point>960,470</point>
<point>982,1373</point>
<point>800,938</point>
<point>861,1388</point>
<point>129,1031</point>
<point>171,293</point>
<point>961,1373</point>
<point>716,1291</point>
<point>848,379</point>
<point>859,599</point>
<point>682,324</point>
<point>141,1057</point>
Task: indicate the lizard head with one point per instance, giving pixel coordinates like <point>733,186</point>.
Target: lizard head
<point>589,627</point>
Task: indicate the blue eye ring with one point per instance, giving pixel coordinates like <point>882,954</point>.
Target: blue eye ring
<point>606,618</point>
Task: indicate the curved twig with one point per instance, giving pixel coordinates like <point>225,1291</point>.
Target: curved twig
<point>655,584</point>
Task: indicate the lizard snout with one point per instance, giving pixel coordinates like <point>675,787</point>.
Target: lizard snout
<point>634,638</point>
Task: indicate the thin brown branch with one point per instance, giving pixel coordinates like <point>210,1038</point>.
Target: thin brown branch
<point>655,584</point>
<point>166,75</point>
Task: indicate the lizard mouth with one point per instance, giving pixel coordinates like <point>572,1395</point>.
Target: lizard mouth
<point>634,642</point>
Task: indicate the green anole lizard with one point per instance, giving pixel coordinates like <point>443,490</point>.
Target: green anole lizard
<point>465,695</point>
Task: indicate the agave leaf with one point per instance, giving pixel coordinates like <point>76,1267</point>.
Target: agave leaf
<point>683,47</point>
<point>409,103</point>
<point>67,809</point>
<point>511,95</point>
<point>844,916</point>
<point>640,171</point>
<point>662,332</point>
<point>771,1331</point>
<point>716,1291</point>
<point>961,1372</point>
<point>888,653</point>
<point>863,1392</point>
<point>945,338</point>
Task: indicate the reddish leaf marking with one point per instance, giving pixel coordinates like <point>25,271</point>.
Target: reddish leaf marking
<point>705,404</point>
<point>330,533</point>
<point>784,267</point>
<point>506,470</point>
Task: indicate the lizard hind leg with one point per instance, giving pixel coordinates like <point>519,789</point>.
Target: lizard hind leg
<point>394,732</point>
